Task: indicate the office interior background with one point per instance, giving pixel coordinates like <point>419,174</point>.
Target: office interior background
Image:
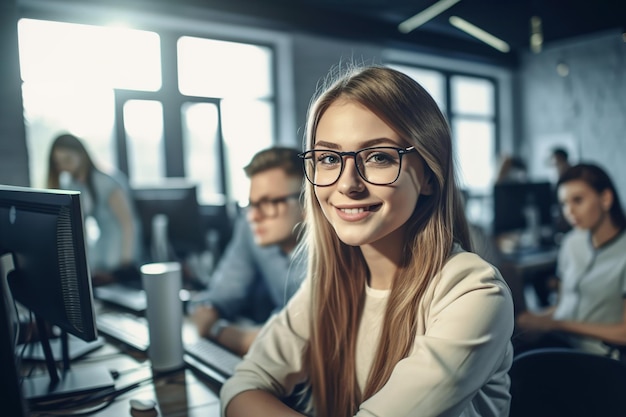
<point>194,88</point>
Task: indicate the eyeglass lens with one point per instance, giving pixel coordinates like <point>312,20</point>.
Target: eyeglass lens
<point>378,166</point>
<point>269,207</point>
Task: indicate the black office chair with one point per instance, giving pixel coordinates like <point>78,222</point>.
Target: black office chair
<point>555,382</point>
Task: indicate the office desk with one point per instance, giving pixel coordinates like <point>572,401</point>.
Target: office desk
<point>179,393</point>
<point>523,268</point>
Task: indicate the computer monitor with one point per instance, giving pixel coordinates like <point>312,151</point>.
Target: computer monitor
<point>511,201</point>
<point>11,398</point>
<point>175,199</point>
<point>44,269</point>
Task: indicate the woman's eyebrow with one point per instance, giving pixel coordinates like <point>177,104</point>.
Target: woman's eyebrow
<point>365,144</point>
<point>324,144</point>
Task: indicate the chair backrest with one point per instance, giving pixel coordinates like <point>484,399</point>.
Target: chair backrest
<point>558,382</point>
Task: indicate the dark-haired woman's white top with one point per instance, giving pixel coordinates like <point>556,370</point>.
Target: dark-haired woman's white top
<point>593,284</point>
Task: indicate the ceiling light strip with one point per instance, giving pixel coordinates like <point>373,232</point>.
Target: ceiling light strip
<point>479,34</point>
<point>425,15</point>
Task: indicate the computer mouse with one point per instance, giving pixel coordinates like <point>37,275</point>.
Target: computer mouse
<point>142,404</point>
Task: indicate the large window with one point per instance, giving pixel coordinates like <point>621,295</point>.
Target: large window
<point>236,120</point>
<point>202,115</point>
<point>70,72</point>
<point>469,104</point>
<point>473,120</point>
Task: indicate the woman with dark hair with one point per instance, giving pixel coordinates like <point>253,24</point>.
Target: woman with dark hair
<point>591,307</point>
<point>395,317</point>
<point>105,198</point>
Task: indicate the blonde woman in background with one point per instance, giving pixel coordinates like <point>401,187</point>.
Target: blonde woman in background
<point>106,198</point>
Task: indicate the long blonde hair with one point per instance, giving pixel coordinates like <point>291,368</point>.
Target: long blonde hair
<point>338,271</point>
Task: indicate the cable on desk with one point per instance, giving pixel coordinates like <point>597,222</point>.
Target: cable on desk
<point>62,407</point>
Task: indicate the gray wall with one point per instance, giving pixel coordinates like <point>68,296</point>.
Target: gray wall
<point>586,109</point>
<point>13,152</point>
<point>313,58</point>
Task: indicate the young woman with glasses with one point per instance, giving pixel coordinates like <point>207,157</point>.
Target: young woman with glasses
<point>395,317</point>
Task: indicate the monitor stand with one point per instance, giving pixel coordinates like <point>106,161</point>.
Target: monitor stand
<point>67,382</point>
<point>72,382</point>
<point>77,348</point>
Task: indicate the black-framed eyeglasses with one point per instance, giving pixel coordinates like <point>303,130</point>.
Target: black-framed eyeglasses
<point>268,207</point>
<point>377,165</point>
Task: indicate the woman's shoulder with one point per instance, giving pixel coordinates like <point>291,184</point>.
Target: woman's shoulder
<point>466,271</point>
<point>575,238</point>
<point>463,262</point>
<point>107,177</point>
<point>110,180</point>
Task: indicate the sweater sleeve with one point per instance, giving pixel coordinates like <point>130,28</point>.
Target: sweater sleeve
<point>462,352</point>
<point>274,362</point>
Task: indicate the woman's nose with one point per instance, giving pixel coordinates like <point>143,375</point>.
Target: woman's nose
<point>350,180</point>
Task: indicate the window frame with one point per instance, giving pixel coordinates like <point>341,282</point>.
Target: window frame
<point>451,115</point>
<point>169,95</point>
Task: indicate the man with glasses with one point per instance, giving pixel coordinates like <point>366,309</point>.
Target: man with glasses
<point>259,270</point>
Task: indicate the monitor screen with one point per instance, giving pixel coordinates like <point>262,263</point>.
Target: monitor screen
<point>43,231</point>
<point>177,200</point>
<point>510,200</point>
<point>44,268</point>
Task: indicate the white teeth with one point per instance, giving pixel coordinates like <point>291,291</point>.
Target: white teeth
<point>353,210</point>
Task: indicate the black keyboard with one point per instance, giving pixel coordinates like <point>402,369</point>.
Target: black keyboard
<point>203,355</point>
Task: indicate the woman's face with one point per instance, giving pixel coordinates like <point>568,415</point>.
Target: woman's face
<point>362,213</point>
<point>67,160</point>
<point>583,206</point>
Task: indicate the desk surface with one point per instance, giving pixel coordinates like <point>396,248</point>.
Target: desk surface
<point>541,258</point>
<point>180,393</point>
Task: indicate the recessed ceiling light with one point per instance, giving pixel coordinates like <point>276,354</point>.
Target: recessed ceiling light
<point>536,34</point>
<point>562,69</point>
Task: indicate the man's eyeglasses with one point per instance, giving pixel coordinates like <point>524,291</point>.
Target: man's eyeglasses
<point>377,165</point>
<point>268,207</point>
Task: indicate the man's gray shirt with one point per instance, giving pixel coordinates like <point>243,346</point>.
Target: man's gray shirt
<point>251,281</point>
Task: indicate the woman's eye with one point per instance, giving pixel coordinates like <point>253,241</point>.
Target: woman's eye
<point>380,158</point>
<point>328,159</point>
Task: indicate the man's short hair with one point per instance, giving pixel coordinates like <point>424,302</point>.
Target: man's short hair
<point>284,158</point>
<point>560,153</point>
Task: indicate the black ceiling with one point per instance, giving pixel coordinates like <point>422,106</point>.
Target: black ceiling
<point>377,20</point>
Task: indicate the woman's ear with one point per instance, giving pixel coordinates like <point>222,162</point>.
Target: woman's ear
<point>606,199</point>
<point>427,183</point>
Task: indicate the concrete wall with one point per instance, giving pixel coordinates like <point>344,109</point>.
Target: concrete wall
<point>313,58</point>
<point>583,108</point>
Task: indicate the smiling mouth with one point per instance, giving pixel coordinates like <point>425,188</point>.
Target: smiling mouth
<point>358,210</point>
